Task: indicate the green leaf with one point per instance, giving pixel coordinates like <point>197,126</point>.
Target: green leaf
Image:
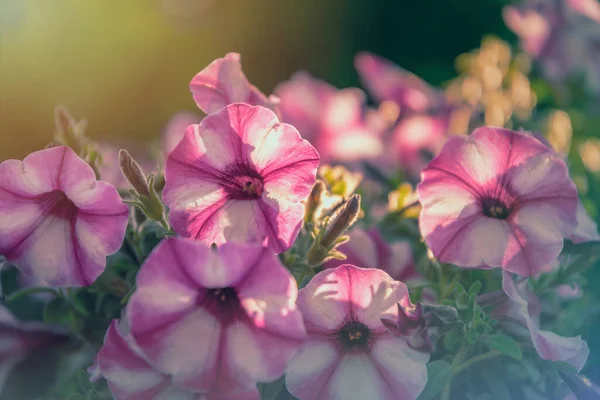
<point>475,288</point>
<point>27,291</point>
<point>56,311</point>
<point>439,374</point>
<point>270,391</point>
<point>505,345</point>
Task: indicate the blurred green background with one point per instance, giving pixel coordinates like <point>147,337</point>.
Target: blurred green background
<point>125,65</point>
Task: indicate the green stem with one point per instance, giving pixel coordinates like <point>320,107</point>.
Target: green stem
<point>475,360</point>
<point>455,367</point>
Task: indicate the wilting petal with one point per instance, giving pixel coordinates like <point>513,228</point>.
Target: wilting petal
<point>222,83</point>
<point>549,345</point>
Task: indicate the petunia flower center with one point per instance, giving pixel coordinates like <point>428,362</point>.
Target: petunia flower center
<point>222,303</point>
<point>494,208</point>
<point>353,336</point>
<point>58,204</point>
<point>242,182</point>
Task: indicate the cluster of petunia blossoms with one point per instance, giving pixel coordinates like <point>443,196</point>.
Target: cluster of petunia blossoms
<point>248,267</point>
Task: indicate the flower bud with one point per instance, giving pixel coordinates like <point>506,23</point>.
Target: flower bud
<point>344,219</point>
<point>313,202</point>
<point>133,173</point>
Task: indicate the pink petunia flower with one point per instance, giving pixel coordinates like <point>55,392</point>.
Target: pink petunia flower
<point>131,377</point>
<point>369,250</point>
<point>387,81</point>
<point>562,35</point>
<point>424,112</point>
<point>335,121</point>
<point>349,353</point>
<point>20,340</point>
<point>216,321</point>
<point>519,314</point>
<point>240,175</point>
<point>57,223</point>
<point>222,83</point>
<point>497,198</point>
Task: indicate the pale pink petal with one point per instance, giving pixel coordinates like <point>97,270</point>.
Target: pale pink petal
<point>254,354</point>
<point>402,369</point>
<point>449,206</point>
<point>311,368</point>
<point>400,265</point>
<point>208,147</point>
<point>129,376</point>
<point>174,348</point>
<point>488,240</point>
<point>175,129</point>
<point>277,152</point>
<point>537,232</point>
<point>282,221</point>
<point>18,219</point>
<point>239,221</point>
<point>269,297</point>
<point>356,376</point>
<point>301,102</point>
<point>366,294</point>
<point>53,254</point>
<point>417,134</point>
<point>227,267</point>
<point>486,155</point>
<point>589,8</point>
<point>532,27</point>
<point>387,81</point>
<point>222,83</point>
<point>549,345</point>
<point>22,182</point>
<point>544,177</point>
<point>586,230</point>
<point>344,110</point>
